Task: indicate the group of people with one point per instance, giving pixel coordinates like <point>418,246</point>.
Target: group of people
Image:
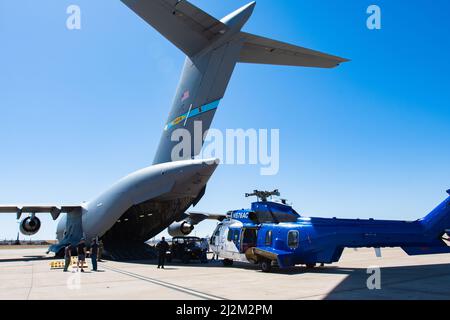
<point>95,253</point>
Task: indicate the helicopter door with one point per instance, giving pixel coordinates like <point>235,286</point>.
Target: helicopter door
<point>214,241</point>
<point>249,237</point>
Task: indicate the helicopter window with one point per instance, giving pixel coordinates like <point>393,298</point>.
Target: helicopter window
<point>233,235</point>
<point>236,236</point>
<point>216,234</point>
<point>293,238</point>
<point>268,240</point>
<point>230,235</point>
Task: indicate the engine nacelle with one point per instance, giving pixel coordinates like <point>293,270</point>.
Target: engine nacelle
<point>180,229</point>
<point>30,226</point>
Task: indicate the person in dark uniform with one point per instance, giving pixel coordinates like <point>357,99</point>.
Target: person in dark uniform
<point>100,250</point>
<point>81,251</point>
<point>67,256</point>
<point>94,252</point>
<point>162,247</point>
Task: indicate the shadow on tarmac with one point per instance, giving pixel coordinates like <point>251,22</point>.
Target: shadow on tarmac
<point>27,259</point>
<point>426,282</point>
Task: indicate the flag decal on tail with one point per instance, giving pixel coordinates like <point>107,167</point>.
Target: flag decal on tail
<point>192,113</point>
<point>185,96</point>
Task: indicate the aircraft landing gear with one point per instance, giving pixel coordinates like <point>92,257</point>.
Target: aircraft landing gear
<point>266,265</point>
<point>310,265</point>
<point>227,262</point>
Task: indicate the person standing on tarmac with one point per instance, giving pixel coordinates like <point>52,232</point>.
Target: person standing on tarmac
<point>81,251</point>
<point>94,252</point>
<point>67,256</point>
<point>162,247</point>
<point>100,250</point>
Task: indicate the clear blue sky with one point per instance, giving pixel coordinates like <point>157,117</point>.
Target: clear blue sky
<point>81,109</point>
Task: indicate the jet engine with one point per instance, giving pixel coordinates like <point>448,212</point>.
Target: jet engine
<point>30,225</point>
<point>180,229</point>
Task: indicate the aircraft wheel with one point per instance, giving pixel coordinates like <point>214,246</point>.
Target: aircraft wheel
<point>266,265</point>
<point>227,262</point>
<point>311,265</point>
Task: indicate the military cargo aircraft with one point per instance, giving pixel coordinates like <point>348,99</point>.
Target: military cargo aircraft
<point>146,202</point>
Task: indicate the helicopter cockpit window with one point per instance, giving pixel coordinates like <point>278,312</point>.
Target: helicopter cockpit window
<point>268,240</point>
<point>230,235</point>
<point>293,239</point>
<point>236,236</point>
<point>233,235</point>
<point>216,234</point>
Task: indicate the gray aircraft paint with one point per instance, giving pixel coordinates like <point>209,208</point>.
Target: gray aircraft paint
<point>205,77</point>
<point>167,181</point>
<point>146,202</point>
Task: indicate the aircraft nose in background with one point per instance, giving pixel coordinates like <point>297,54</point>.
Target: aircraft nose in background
<point>238,18</point>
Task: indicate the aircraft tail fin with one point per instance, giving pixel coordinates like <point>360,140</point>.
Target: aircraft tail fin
<point>185,25</point>
<point>437,222</point>
<point>213,47</point>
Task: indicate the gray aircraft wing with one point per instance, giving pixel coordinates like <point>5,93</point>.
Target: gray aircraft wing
<point>54,211</point>
<point>194,218</point>
<point>185,25</point>
<point>262,50</point>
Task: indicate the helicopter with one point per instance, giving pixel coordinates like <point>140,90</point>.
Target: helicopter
<point>272,234</point>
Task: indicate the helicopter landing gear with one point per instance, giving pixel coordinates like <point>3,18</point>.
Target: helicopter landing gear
<point>227,262</point>
<point>266,265</point>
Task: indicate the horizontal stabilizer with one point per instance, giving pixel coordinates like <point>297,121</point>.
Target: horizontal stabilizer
<point>262,50</point>
<point>185,25</point>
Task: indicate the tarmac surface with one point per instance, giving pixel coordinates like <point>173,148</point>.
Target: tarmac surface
<point>26,274</point>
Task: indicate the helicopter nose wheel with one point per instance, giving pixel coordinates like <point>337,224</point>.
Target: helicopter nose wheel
<point>266,265</point>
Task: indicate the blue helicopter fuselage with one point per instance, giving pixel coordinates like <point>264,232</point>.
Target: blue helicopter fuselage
<point>274,232</point>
